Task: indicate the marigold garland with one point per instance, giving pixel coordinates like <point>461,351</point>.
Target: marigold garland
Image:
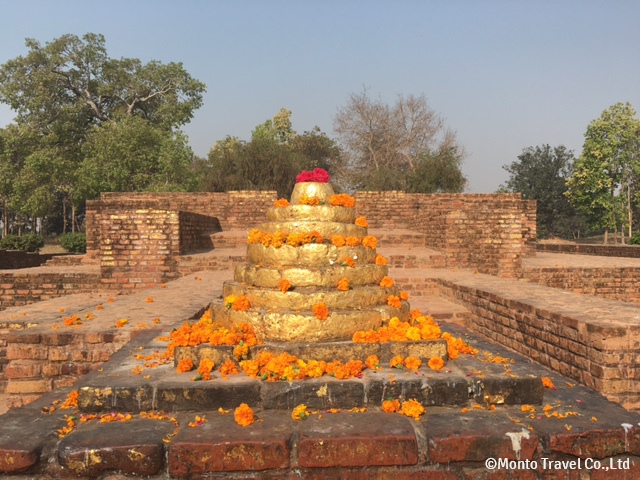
<point>320,311</point>
<point>342,200</point>
<point>243,415</point>
<point>361,222</point>
<point>279,239</point>
<point>281,202</point>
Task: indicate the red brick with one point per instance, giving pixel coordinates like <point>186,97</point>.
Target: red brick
<point>23,337</point>
<point>599,443</point>
<point>58,338</point>
<point>26,351</point>
<point>221,445</point>
<point>350,440</point>
<point>29,386</point>
<point>23,369</point>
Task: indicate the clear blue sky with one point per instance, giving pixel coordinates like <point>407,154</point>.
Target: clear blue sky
<point>504,74</point>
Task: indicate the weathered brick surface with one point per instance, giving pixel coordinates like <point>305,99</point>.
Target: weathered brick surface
<point>365,442</point>
<point>589,249</point>
<point>23,287</point>
<point>221,445</point>
<point>617,283</point>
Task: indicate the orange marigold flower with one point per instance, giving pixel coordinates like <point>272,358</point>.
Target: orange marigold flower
<point>255,236</point>
<point>343,285</point>
<point>121,323</point>
<point>206,366</point>
<point>391,406</point>
<point>229,368</point>
<point>380,260</point>
<point>281,202</point>
<point>241,304</point>
<point>284,285</point>
<point>320,311</point>
<point>300,412</point>
<point>412,363</point>
<point>348,262</point>
<point>435,363</point>
<point>241,351</point>
<point>412,408</point>
<point>342,200</point>
<point>149,300</point>
<point>184,365</point>
<point>71,401</point>
<point>413,334</point>
<point>338,241</point>
<point>403,295</point>
<point>394,301</point>
<point>370,241</point>
<point>352,241</point>
<point>250,368</point>
<point>305,200</point>
<point>243,415</point>
<point>75,320</point>
<point>361,222</point>
<point>315,237</point>
<point>372,362</point>
<point>547,383</point>
<point>396,362</point>
<point>387,282</point>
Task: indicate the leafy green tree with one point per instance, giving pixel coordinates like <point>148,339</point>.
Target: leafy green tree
<point>604,183</point>
<point>66,93</point>
<point>394,147</point>
<point>540,174</point>
<point>270,161</point>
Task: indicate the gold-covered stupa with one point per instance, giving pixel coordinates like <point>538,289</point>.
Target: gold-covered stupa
<point>302,282</point>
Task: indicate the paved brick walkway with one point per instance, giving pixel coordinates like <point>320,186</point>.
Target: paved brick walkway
<point>566,260</point>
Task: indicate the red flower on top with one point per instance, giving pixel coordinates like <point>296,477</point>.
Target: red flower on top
<point>317,175</point>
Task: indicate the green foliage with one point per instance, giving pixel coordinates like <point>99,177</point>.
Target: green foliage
<point>74,242</point>
<point>404,146</point>
<point>540,174</point>
<point>635,240</point>
<point>86,123</point>
<point>26,243</point>
<point>270,161</point>
<point>603,184</point>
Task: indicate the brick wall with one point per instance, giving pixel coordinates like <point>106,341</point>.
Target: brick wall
<point>588,249</point>
<point>603,355</point>
<point>620,283</point>
<point>37,363</point>
<point>195,230</point>
<point>488,232</point>
<point>138,247</point>
<point>23,288</point>
<point>14,259</point>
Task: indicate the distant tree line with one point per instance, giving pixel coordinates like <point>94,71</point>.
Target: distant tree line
<point>87,123</point>
<point>595,193</point>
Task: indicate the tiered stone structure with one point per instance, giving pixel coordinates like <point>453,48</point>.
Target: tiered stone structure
<point>313,270</point>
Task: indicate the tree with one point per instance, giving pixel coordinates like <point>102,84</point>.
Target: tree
<point>395,147</point>
<point>270,161</point>
<point>65,92</point>
<point>603,185</point>
<point>540,174</point>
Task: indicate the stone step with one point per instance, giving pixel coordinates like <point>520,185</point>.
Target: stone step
<point>572,424</point>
